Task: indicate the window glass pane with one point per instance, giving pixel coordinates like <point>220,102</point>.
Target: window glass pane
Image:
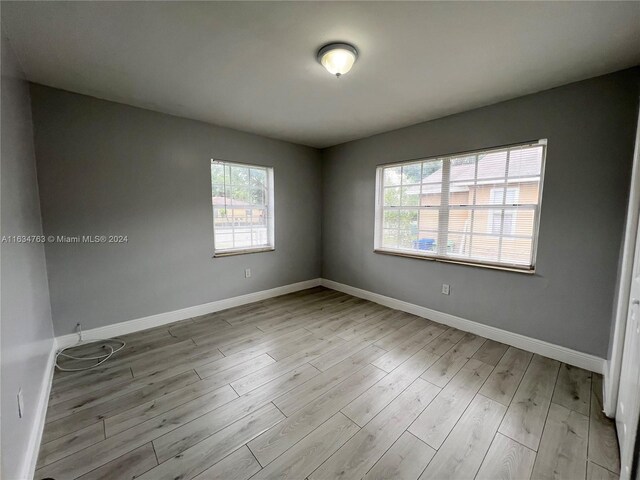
<point>411,173</point>
<point>501,195</point>
<point>431,194</point>
<point>503,222</point>
<point>259,216</point>
<point>429,219</point>
<point>242,236</point>
<point>227,174</point>
<point>392,176</point>
<point>483,220</point>
<point>495,220</point>
<point>525,162</point>
<point>528,191</point>
<point>224,240</point>
<point>516,250</point>
<point>485,248</point>
<point>408,239</point>
<point>240,176</point>
<point>508,222</point>
<point>258,177</point>
<point>524,222</point>
<point>401,219</point>
<point>457,243</point>
<point>496,196</point>
<point>240,218</point>
<point>391,219</point>
<point>410,196</point>
<point>511,195</point>
<point>432,171</point>
<point>217,173</point>
<point>256,196</point>
<point>492,165</point>
<point>240,195</point>
<point>515,221</point>
<point>408,219</point>
<point>259,235</point>
<point>485,234</point>
<point>427,241</point>
<point>392,196</point>
<point>460,194</point>
<point>217,190</point>
<point>460,220</point>
<point>486,193</point>
<point>463,168</point>
<point>390,238</point>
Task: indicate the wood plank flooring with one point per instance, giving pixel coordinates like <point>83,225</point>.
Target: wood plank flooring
<point>322,385</point>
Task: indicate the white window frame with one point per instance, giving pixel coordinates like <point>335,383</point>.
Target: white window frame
<point>441,254</point>
<point>269,207</point>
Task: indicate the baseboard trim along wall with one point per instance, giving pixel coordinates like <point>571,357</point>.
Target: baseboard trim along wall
<point>562,354</point>
<point>31,455</point>
<point>557,352</point>
<point>160,319</point>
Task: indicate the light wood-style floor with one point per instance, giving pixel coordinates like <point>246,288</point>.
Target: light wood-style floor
<point>322,385</point>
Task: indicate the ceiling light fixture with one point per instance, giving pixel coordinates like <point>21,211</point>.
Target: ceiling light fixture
<point>337,58</point>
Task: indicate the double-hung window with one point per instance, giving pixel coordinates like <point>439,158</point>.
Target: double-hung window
<point>479,207</point>
<point>243,214</point>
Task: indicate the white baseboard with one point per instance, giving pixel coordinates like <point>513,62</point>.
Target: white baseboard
<point>33,448</point>
<point>160,319</point>
<point>562,354</point>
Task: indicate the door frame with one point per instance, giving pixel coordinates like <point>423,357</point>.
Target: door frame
<point>611,381</point>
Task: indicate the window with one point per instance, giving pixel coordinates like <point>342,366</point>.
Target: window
<point>479,208</point>
<point>242,199</point>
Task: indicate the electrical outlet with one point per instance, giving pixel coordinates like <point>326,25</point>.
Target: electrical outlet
<point>445,289</point>
<point>20,403</point>
<point>247,273</point>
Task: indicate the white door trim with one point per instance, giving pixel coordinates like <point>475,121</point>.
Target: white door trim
<point>614,363</point>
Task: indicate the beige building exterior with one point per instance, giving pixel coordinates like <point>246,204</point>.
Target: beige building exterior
<point>476,232</point>
<point>238,213</point>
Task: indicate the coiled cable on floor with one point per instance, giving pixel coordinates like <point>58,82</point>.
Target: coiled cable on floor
<point>100,358</point>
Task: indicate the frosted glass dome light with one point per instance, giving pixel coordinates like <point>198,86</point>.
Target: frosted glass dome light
<point>337,58</point>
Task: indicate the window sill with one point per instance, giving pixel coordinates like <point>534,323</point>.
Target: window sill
<point>231,253</point>
<point>491,266</point>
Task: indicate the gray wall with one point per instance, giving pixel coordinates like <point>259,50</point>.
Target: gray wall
<point>590,126</point>
<point>26,332</point>
<point>107,168</point>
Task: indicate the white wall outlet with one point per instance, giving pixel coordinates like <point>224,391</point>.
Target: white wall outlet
<point>247,273</point>
<point>445,289</point>
<point>20,403</point>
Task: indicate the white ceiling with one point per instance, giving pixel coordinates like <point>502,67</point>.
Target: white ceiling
<point>251,65</point>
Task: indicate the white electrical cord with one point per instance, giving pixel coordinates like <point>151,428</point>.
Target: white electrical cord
<point>101,358</point>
